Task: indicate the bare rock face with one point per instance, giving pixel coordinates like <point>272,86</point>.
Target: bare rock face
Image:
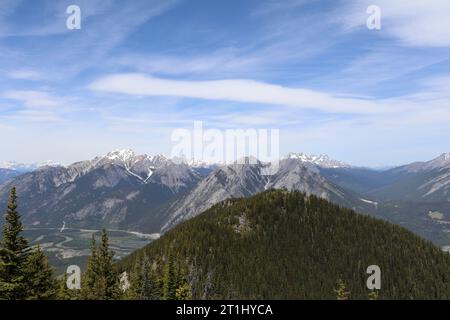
<point>115,190</point>
<point>244,180</point>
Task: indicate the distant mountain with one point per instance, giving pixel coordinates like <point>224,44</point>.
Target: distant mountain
<point>440,163</point>
<point>322,161</point>
<point>244,180</point>
<point>25,167</point>
<point>416,195</point>
<point>358,179</point>
<point>283,245</point>
<point>7,174</point>
<point>420,181</point>
<point>154,193</point>
<point>116,190</point>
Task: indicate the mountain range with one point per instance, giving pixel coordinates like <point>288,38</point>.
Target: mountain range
<point>124,190</point>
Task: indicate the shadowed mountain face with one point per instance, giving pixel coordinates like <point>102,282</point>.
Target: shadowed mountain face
<point>153,194</point>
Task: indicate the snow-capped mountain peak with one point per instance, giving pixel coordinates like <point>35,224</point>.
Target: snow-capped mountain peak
<point>158,159</point>
<point>140,166</point>
<point>124,154</point>
<point>322,160</point>
<point>129,158</point>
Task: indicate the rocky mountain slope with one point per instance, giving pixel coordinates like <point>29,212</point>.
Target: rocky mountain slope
<point>244,180</point>
<point>100,192</point>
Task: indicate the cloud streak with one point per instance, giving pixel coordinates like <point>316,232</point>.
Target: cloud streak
<point>33,99</point>
<point>24,75</point>
<point>246,91</point>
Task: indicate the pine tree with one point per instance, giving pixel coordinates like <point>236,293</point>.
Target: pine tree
<point>133,292</point>
<point>40,283</point>
<point>88,281</point>
<point>341,290</point>
<point>183,289</point>
<point>13,254</point>
<point>108,271</point>
<point>169,280</point>
<point>101,279</point>
<point>144,283</point>
<point>150,287</point>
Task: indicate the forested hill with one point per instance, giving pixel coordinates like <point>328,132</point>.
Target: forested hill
<point>285,245</point>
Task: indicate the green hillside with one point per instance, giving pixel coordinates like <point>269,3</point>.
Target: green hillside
<point>283,245</point>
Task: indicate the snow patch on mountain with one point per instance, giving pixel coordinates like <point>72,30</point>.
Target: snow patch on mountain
<point>322,160</point>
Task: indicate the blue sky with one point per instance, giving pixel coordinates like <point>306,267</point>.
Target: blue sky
<point>139,69</point>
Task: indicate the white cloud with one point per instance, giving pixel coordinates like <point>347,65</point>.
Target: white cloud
<point>24,75</point>
<point>33,99</point>
<point>414,23</point>
<point>35,115</point>
<point>221,61</point>
<point>247,91</point>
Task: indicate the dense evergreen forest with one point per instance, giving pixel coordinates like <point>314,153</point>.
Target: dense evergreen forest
<point>275,245</point>
<point>285,245</point>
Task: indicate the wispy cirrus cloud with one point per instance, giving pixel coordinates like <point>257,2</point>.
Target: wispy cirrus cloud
<point>24,74</point>
<point>247,91</point>
<point>220,62</point>
<point>64,53</point>
<point>33,98</point>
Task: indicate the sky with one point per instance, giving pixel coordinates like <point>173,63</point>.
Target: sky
<point>138,70</point>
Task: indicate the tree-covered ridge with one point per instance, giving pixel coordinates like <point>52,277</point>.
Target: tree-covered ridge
<point>283,245</point>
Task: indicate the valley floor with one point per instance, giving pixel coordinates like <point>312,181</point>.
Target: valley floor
<point>68,246</point>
